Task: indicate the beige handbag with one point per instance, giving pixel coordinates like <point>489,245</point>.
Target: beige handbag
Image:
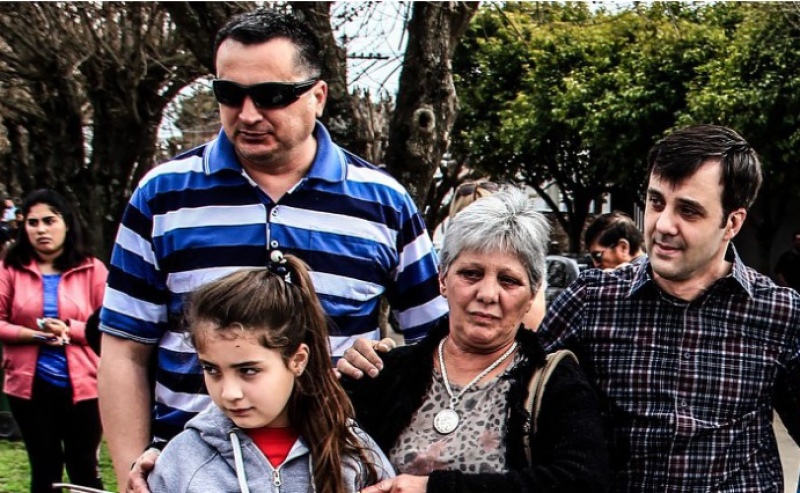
<point>536,390</point>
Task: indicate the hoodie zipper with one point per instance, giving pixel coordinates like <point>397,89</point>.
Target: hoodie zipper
<point>277,482</point>
<point>276,478</point>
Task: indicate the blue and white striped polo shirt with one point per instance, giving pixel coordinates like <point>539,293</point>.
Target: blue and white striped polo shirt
<point>199,217</point>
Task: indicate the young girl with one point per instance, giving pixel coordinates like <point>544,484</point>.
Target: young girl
<point>281,420</point>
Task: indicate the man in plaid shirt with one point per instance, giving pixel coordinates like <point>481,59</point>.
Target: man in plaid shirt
<point>690,350</point>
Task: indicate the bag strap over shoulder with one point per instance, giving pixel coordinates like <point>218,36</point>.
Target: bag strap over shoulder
<point>536,387</point>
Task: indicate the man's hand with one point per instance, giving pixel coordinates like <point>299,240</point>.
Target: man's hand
<point>137,479</point>
<point>404,483</point>
<point>363,357</point>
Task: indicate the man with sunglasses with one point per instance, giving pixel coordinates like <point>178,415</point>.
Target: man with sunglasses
<point>272,180</point>
<point>613,240</point>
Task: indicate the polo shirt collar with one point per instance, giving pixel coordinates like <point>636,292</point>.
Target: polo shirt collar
<point>738,273</point>
<point>329,163</point>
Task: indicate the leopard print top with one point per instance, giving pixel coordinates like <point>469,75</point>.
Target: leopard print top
<point>476,446</point>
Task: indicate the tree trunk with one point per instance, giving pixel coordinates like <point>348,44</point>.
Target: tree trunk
<point>48,151</point>
<point>123,152</point>
<point>579,213</point>
<point>90,79</point>
<point>197,24</point>
<point>354,120</point>
<point>426,101</point>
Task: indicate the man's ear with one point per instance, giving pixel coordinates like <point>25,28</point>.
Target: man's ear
<point>299,360</point>
<point>735,223</point>
<point>320,97</point>
<point>624,246</point>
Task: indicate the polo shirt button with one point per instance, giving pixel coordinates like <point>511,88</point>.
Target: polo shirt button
<point>687,355</point>
<point>274,212</point>
<point>684,403</point>
<point>273,244</point>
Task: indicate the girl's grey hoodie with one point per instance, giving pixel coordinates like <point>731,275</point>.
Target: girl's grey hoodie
<point>212,454</point>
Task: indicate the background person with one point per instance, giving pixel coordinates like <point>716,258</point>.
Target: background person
<point>449,411</point>
<point>464,194</point>
<point>7,227</point>
<point>16,224</point>
<point>273,179</point>
<point>9,210</point>
<point>613,240</point>
<point>5,240</point>
<point>261,337</point>
<point>787,270</point>
<point>49,286</point>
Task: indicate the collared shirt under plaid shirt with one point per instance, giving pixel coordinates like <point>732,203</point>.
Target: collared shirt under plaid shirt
<point>687,388</point>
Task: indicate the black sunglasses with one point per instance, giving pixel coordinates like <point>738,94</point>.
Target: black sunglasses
<point>264,95</point>
<point>597,255</point>
<point>470,188</point>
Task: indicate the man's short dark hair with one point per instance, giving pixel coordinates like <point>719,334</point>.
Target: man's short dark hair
<point>261,25</point>
<point>608,229</point>
<point>680,154</point>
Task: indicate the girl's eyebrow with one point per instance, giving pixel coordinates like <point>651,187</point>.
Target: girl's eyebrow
<point>241,364</point>
<point>245,363</point>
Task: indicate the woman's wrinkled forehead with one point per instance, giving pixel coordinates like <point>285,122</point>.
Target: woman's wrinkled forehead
<point>488,253</point>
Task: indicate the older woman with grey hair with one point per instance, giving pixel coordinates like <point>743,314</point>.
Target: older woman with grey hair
<point>451,411</point>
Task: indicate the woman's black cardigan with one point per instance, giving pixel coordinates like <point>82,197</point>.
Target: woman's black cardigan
<point>569,452</point>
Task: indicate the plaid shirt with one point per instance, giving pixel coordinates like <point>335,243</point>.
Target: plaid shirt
<point>687,388</point>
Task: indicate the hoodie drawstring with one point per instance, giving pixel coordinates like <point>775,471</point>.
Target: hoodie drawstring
<point>239,462</point>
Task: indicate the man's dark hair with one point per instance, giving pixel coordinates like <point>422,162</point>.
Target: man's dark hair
<point>261,25</point>
<point>22,252</point>
<point>680,154</point>
<point>608,229</point>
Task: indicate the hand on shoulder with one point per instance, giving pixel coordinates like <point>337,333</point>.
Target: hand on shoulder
<point>363,358</point>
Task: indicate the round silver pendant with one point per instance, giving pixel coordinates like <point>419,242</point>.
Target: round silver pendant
<point>446,421</point>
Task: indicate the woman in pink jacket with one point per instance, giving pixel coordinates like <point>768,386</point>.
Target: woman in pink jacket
<point>49,286</point>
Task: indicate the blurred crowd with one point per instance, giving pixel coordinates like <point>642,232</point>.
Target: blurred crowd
<point>10,223</point>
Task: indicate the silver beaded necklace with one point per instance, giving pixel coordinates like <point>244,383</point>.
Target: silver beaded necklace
<point>446,420</point>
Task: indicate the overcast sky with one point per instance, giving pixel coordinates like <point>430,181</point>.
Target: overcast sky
<point>374,36</point>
